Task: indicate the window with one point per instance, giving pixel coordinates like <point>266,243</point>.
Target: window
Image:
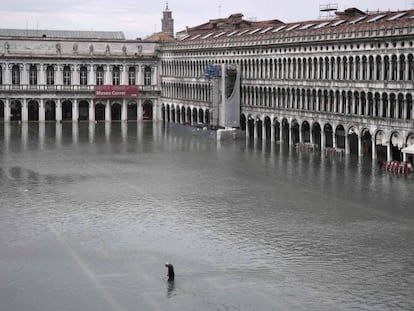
<point>115,75</point>
<point>83,76</point>
<point>66,75</point>
<point>131,76</point>
<point>1,74</point>
<point>33,75</point>
<point>16,75</point>
<point>99,75</point>
<point>50,75</point>
<point>147,76</point>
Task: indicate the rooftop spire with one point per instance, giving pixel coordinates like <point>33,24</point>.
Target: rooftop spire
<point>166,6</point>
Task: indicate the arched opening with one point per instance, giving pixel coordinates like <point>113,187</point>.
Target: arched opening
<point>15,111</point>
<point>207,117</point>
<point>66,111</point>
<point>242,122</point>
<point>116,112</point>
<point>250,124</point>
<point>285,131</point>
<point>183,115</point>
<point>201,115</point>
<point>147,110</point>
<point>50,111</point>
<point>178,115</point>
<point>195,120</point>
<point>132,111</point>
<point>268,128</point>
<point>1,111</point>
<point>100,112</point>
<point>328,132</point>
<point>163,113</point>
<point>305,129</point>
<point>409,142</point>
<point>168,116</point>
<point>366,142</point>
<point>189,119</point>
<point>259,127</point>
<point>340,137</point>
<point>83,111</point>
<point>316,134</point>
<point>380,146</point>
<point>295,132</point>
<point>353,140</point>
<point>396,146</point>
<point>33,110</point>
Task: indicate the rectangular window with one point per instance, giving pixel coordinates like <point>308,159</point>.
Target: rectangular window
<point>50,77</point>
<point>131,77</point>
<point>16,77</point>
<point>83,77</point>
<point>99,77</point>
<point>115,77</point>
<point>66,77</point>
<point>33,77</point>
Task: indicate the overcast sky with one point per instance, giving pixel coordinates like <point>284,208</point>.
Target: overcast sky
<point>138,18</point>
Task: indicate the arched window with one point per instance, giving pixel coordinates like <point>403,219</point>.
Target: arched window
<point>147,76</point>
<point>1,75</point>
<point>83,76</point>
<point>67,75</point>
<point>50,75</point>
<point>33,75</point>
<point>131,76</point>
<point>99,76</point>
<point>116,75</point>
<point>16,75</point>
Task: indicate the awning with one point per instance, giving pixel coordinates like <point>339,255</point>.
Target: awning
<point>409,149</point>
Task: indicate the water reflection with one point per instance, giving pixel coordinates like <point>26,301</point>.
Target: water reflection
<point>262,225</point>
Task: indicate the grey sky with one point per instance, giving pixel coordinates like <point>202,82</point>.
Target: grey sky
<point>141,18</point>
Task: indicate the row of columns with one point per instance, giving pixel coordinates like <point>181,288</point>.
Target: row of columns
<point>373,106</point>
<point>274,128</point>
<point>75,74</point>
<point>75,110</point>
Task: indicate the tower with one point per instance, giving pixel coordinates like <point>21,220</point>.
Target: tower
<point>167,22</point>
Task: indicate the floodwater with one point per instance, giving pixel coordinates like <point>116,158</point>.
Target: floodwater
<point>89,214</point>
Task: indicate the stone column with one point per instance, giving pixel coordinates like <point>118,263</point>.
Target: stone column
<point>247,128</point>
<point>290,135</point>
<point>323,140</point>
<point>75,110</point>
<point>255,129</point>
<point>140,75</point>
<point>108,111</point>
<point>264,137</point>
<point>41,110</point>
<point>7,74</point>
<point>25,75</point>
<point>272,131</point>
<point>139,111</point>
<point>42,74</point>
<point>347,144</point>
<point>360,151</point>
<point>389,153</point>
<point>124,75</point>
<point>374,148</point>
<point>59,74</point>
<point>92,110</point>
<point>59,110</point>
<point>7,110</point>
<point>24,111</point>
<point>107,74</point>
<point>91,74</point>
<point>334,144</point>
<point>75,74</point>
<point>124,110</point>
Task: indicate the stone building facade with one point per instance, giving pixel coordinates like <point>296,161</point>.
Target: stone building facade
<point>51,76</point>
<point>342,84</point>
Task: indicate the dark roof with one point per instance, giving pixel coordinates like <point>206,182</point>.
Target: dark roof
<point>236,27</point>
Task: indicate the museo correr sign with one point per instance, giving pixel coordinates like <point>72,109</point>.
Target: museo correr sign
<point>116,91</point>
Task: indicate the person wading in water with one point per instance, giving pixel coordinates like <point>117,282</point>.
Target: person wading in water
<point>171,274</point>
